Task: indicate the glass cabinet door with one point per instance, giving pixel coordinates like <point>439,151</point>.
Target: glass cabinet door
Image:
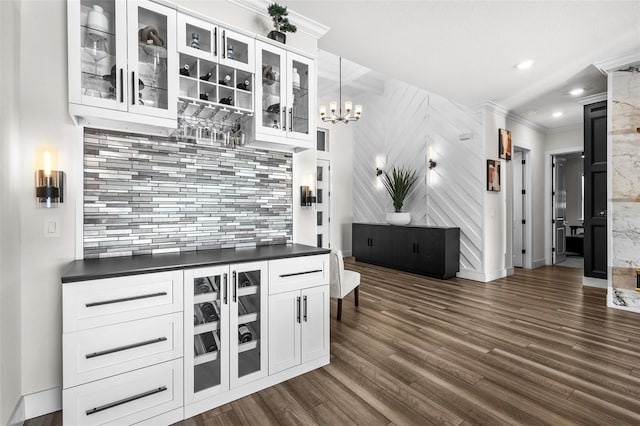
<point>270,91</point>
<point>102,52</point>
<point>153,67</point>
<point>206,291</point>
<point>301,90</point>
<point>248,323</point>
<point>197,37</point>
<point>236,50</point>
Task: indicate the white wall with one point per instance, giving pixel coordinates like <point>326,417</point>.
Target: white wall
<point>574,171</point>
<point>561,140</point>
<point>341,157</point>
<point>10,330</point>
<point>43,120</point>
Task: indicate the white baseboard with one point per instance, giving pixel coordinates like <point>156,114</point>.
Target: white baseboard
<point>594,282</point>
<point>346,253</point>
<point>37,404</point>
<point>510,271</point>
<point>481,276</point>
<point>538,263</point>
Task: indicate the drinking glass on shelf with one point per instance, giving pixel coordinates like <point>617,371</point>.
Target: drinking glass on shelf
<point>97,48</point>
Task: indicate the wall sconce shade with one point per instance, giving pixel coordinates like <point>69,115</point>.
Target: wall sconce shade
<point>306,197</point>
<point>378,171</point>
<point>432,164</point>
<point>49,187</point>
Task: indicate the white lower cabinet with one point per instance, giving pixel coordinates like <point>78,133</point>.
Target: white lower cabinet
<point>126,398</point>
<point>298,327</point>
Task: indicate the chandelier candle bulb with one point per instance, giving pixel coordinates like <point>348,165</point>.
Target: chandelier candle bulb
<point>333,106</point>
<point>358,110</point>
<point>348,106</point>
<point>323,111</point>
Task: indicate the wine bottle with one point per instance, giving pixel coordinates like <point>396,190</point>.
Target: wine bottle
<point>208,312</point>
<point>244,85</point>
<point>209,342</point>
<point>202,286</point>
<point>244,334</point>
<point>185,70</point>
<point>225,81</point>
<point>227,101</point>
<point>195,40</point>
<point>230,54</point>
<point>204,96</point>
<point>206,77</point>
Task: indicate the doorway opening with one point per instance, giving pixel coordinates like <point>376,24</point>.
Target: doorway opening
<point>521,224</point>
<point>567,209</point>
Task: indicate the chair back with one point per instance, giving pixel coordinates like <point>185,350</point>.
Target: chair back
<point>336,265</point>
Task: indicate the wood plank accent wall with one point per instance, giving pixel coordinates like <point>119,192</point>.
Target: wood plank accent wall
<point>402,127</point>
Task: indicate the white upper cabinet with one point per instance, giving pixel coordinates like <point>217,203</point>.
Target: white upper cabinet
<point>236,50</point>
<point>197,37</point>
<point>122,60</point>
<point>285,97</point>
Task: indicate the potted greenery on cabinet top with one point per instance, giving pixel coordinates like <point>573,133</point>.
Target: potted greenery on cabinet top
<point>281,23</point>
<point>398,184</point>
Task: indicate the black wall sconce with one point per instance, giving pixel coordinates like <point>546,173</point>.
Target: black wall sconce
<point>378,171</point>
<point>306,197</point>
<point>432,164</point>
<point>49,185</point>
<point>637,279</point>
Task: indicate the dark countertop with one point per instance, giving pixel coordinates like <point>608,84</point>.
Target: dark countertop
<point>91,269</point>
<point>406,226</point>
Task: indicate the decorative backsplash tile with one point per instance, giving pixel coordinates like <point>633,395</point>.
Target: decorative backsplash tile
<point>147,194</point>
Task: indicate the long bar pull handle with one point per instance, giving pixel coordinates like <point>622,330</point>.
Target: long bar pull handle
<point>300,273</point>
<point>283,119</point>
<point>298,309</point>
<point>121,85</point>
<point>125,299</point>
<point>304,315</point>
<point>235,286</point>
<point>291,119</point>
<point>226,287</point>
<point>125,400</point>
<point>215,42</point>
<point>133,88</point>
<point>126,347</point>
<point>224,44</point>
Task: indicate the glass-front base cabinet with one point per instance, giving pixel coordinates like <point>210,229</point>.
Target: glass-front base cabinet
<point>225,311</point>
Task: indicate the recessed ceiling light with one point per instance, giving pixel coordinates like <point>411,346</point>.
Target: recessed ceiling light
<point>557,114</point>
<point>525,64</point>
<point>577,91</point>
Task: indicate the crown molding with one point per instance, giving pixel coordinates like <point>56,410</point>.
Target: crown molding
<point>491,107</point>
<point>304,24</point>
<point>611,65</point>
<point>527,123</point>
<point>592,99</point>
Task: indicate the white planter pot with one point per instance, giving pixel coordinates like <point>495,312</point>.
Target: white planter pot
<point>398,218</point>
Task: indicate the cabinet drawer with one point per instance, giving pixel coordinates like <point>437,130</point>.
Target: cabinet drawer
<point>298,272</point>
<point>127,398</point>
<point>96,353</point>
<point>96,303</point>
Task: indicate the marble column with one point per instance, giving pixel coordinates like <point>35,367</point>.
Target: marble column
<point>625,189</point>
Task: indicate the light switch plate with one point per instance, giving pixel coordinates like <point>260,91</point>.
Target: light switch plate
<point>51,227</point>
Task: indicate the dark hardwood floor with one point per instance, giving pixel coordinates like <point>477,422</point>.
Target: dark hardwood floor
<point>533,348</point>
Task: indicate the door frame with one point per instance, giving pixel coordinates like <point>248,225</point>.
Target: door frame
<point>527,213</point>
<point>548,226</point>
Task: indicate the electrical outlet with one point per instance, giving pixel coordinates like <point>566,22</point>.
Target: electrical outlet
<point>51,227</point>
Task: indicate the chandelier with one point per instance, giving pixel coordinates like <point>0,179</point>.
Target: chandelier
<point>348,107</point>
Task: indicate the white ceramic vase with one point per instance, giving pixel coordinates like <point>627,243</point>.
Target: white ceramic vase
<point>398,218</point>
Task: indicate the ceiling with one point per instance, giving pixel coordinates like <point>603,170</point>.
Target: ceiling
<point>467,50</point>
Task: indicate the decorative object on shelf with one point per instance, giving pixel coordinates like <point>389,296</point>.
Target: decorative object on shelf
<point>378,171</point>
<point>493,175</point>
<point>275,124</point>
<point>230,54</point>
<point>269,76</point>
<point>398,185</point>
<point>195,40</point>
<point>149,35</point>
<point>49,183</point>
<point>346,117</point>
<point>96,46</point>
<point>97,22</point>
<point>185,70</point>
<point>504,144</point>
<point>432,164</point>
<point>307,199</point>
<point>226,100</point>
<point>281,23</point>
<point>244,85</point>
<point>296,79</point>
<point>274,109</point>
<point>206,77</point>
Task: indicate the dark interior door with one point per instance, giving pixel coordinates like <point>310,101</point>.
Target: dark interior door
<point>360,242</point>
<point>595,190</point>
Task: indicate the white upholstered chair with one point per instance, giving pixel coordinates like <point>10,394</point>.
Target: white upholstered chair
<point>341,281</point>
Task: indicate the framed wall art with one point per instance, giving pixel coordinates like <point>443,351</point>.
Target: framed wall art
<point>504,144</point>
<point>493,175</point>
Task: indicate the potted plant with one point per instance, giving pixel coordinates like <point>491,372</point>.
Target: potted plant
<point>398,185</point>
<point>281,23</point>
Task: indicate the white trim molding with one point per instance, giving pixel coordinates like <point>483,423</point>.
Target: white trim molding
<point>304,24</point>
<point>527,123</point>
<point>537,263</point>
<point>37,404</point>
<point>481,276</point>
<point>491,107</point>
<point>594,282</point>
<point>612,64</point>
<point>592,99</point>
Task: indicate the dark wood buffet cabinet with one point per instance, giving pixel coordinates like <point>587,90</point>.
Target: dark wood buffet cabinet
<point>425,250</point>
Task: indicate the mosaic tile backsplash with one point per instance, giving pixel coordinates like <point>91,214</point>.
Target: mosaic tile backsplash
<point>148,194</point>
